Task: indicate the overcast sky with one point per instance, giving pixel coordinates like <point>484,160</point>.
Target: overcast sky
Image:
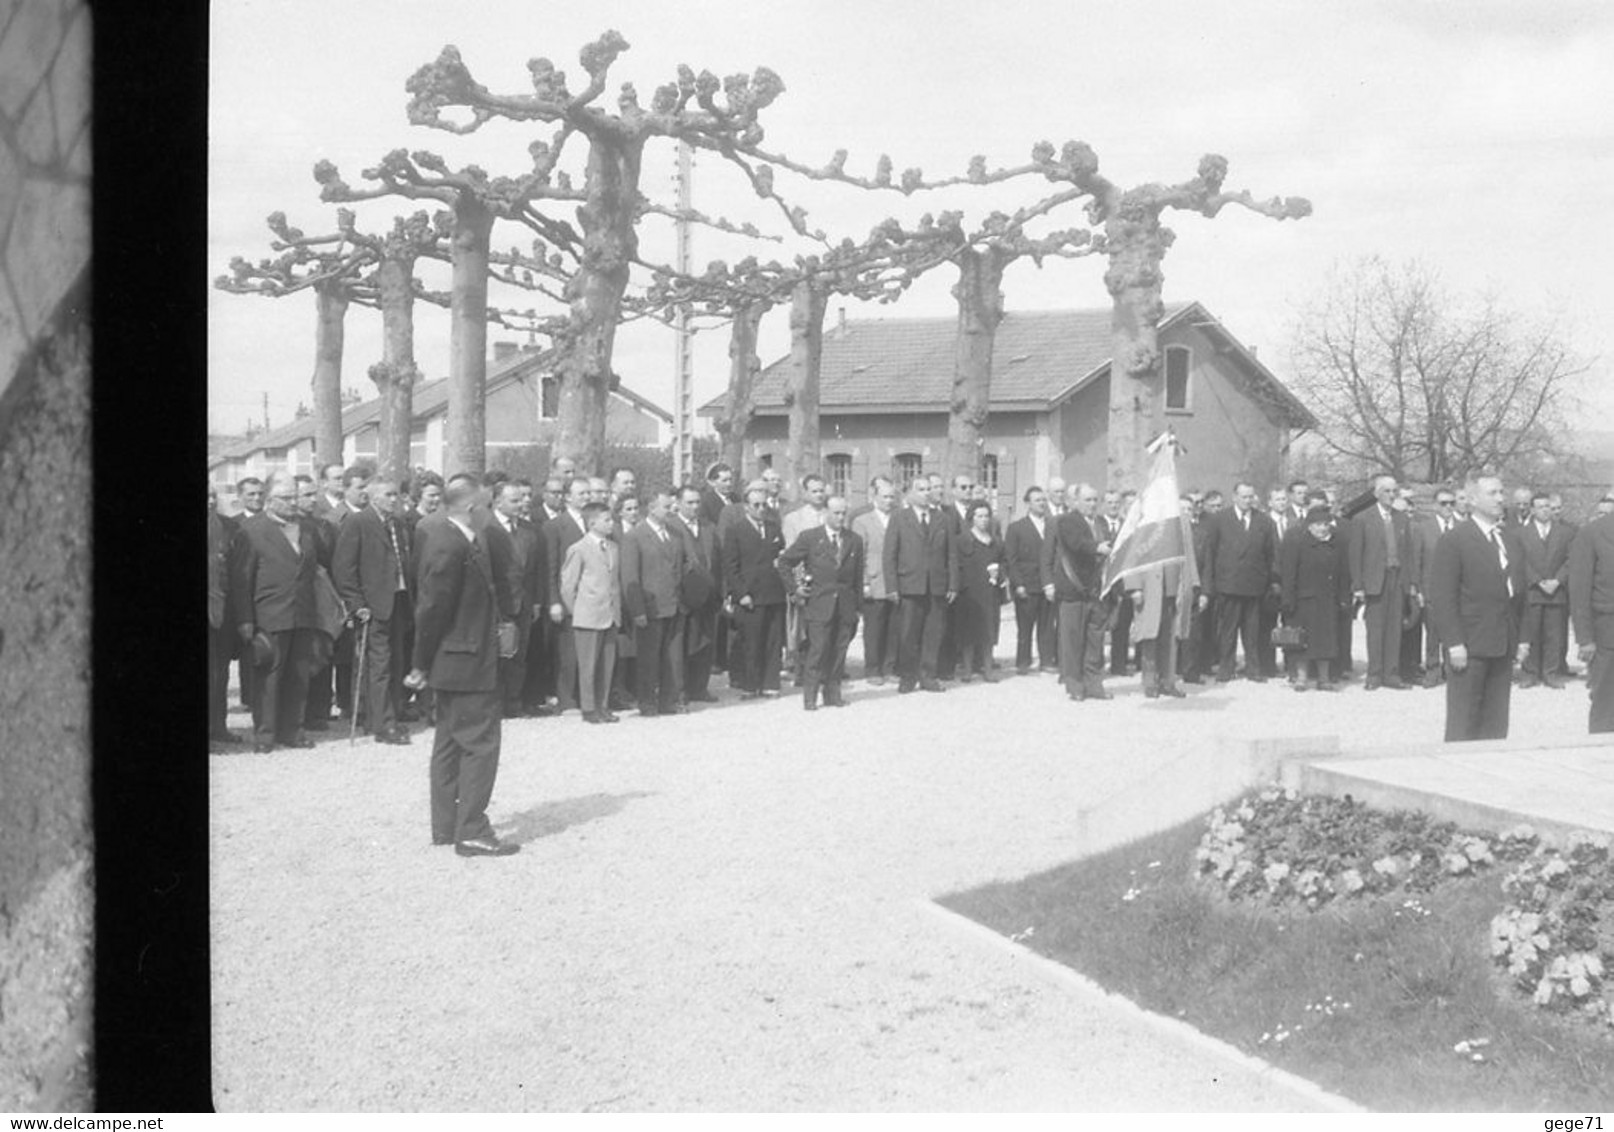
<point>1475,136</point>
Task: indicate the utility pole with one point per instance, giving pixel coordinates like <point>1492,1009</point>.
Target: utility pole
<point>683,377</point>
<point>266,411</point>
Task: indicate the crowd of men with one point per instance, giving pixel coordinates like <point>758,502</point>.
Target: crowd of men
<point>464,602</point>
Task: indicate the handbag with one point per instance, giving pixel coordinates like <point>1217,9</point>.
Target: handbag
<point>1289,636</point>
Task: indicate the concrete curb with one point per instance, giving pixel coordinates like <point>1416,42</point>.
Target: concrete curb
<point>1080,987</point>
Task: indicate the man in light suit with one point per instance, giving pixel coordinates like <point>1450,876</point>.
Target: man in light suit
<point>921,567</point>
<point>558,534</point>
<point>1379,549</point>
<point>652,568</point>
<point>755,595</point>
<point>879,604</point>
<point>1546,575</point>
<point>591,590</point>
<point>456,651</point>
<point>1033,612</point>
<point>701,588</point>
<point>372,576</point>
<point>1241,569</point>
<point>1591,605</point>
<point>831,559</point>
<point>1477,600</point>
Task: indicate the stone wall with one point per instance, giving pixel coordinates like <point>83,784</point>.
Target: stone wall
<point>46,873</point>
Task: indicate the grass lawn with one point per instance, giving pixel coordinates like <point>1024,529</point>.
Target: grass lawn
<point>1366,997</point>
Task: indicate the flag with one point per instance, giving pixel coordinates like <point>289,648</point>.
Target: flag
<point>1155,532</point>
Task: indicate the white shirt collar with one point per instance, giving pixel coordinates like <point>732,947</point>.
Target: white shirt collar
<point>465,528</point>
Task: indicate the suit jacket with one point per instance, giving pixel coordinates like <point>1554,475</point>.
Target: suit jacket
<point>1544,559</point>
<point>1023,546</point>
<point>272,580</point>
<point>652,567</point>
<point>1426,535</point>
<point>799,519</point>
<point>518,568</point>
<point>218,570</point>
<point>558,534</point>
<point>711,508</point>
<point>748,562</point>
<point>871,530</point>
<point>919,558</point>
<point>702,555</point>
<point>456,642</point>
<point>1239,563</point>
<point>365,568</point>
<point>591,584</point>
<point>1591,582</point>
<point>1070,559</point>
<point>1368,550</point>
<point>834,581</point>
<point>1468,592</point>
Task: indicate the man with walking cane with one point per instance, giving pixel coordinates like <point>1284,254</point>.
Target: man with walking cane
<point>372,576</point>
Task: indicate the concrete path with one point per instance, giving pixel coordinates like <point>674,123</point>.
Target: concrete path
<point>730,910</point>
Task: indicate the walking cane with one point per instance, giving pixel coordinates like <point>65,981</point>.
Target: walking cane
<point>358,673</point>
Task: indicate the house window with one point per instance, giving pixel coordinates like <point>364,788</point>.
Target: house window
<point>1177,359</point>
<point>764,461</point>
<point>989,473</point>
<point>905,466</point>
<point>548,398</point>
<point>838,471</point>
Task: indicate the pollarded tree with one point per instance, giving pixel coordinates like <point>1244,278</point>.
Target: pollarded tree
<point>475,200</point>
<point>338,272</point>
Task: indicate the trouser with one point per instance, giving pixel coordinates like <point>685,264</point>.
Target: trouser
<point>1264,647</point>
<point>385,665</point>
<point>1194,657</point>
<point>947,646</point>
<point>1412,640</point>
<point>701,625</point>
<point>464,763</point>
<point>538,681</point>
<point>795,641</point>
<point>1600,675</point>
<point>565,665</point>
<point>1432,653</point>
<point>826,656</point>
<point>1237,616</point>
<point>720,643</point>
<point>924,622</point>
<point>1160,655</point>
<point>1121,638</point>
<point>1477,699</point>
<point>218,678</point>
<point>342,666</point>
<point>1546,630</point>
<point>1034,618</point>
<point>513,671</point>
<point>1081,646</point>
<point>762,630</point>
<point>246,673</point>
<point>282,686</point>
<point>1345,629</point>
<point>1381,618</point>
<point>879,637</point>
<point>596,662</point>
<point>659,643</point>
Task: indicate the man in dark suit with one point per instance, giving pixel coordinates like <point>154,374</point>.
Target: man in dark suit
<point>920,567</point>
<point>1241,568</point>
<point>372,576</point>
<point>652,570</point>
<point>755,595</point>
<point>714,497</point>
<point>559,533</point>
<point>1072,575</point>
<point>1033,612</point>
<point>330,497</point>
<point>516,554</point>
<point>1427,531</point>
<point>1107,528</point>
<point>249,498</point>
<point>1195,658</point>
<point>272,565</point>
<point>1379,547</point>
<point>1546,576</point>
<point>220,627</point>
<point>1591,605</point>
<point>1477,600</point>
<point>831,558</point>
<point>701,588</point>
<point>456,652</point>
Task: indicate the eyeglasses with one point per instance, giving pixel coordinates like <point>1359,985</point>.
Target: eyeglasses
<point>1445,503</point>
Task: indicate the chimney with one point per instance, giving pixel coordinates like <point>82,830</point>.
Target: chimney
<point>840,322</point>
<point>1254,352</point>
<point>504,351</point>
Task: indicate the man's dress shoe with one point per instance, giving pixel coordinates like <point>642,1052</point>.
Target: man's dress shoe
<point>486,847</point>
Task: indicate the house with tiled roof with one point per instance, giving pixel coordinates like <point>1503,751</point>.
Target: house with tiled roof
<point>522,396</point>
<point>885,386</point>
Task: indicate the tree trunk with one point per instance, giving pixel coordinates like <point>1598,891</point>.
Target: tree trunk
<point>1137,246</point>
<point>734,426</point>
<point>395,375</point>
<point>595,295</point>
<point>465,428</point>
<point>980,308</point>
<point>808,303</point>
<point>331,310</point>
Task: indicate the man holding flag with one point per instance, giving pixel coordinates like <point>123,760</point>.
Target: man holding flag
<point>1154,563</point>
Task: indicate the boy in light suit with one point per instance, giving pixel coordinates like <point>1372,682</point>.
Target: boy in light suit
<point>591,590</point>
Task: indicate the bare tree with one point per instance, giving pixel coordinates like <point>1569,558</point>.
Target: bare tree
<point>1412,381</point>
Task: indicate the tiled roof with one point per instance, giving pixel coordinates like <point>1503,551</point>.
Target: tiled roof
<point>1038,359</point>
<point>430,397</point>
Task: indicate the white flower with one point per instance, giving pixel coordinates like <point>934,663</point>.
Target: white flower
<point>1387,866</point>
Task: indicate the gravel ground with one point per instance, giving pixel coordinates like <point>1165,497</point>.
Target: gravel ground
<point>725,911</point>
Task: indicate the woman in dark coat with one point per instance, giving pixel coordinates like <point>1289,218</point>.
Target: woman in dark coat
<point>1316,586</point>
<point>982,570</point>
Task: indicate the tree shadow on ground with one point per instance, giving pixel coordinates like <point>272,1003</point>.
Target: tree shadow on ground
<point>554,817</point>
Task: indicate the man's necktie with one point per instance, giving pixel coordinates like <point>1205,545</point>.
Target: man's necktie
<point>397,554</point>
<point>1502,557</point>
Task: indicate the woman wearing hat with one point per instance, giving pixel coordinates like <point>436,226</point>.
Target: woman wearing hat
<point>1316,586</point>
